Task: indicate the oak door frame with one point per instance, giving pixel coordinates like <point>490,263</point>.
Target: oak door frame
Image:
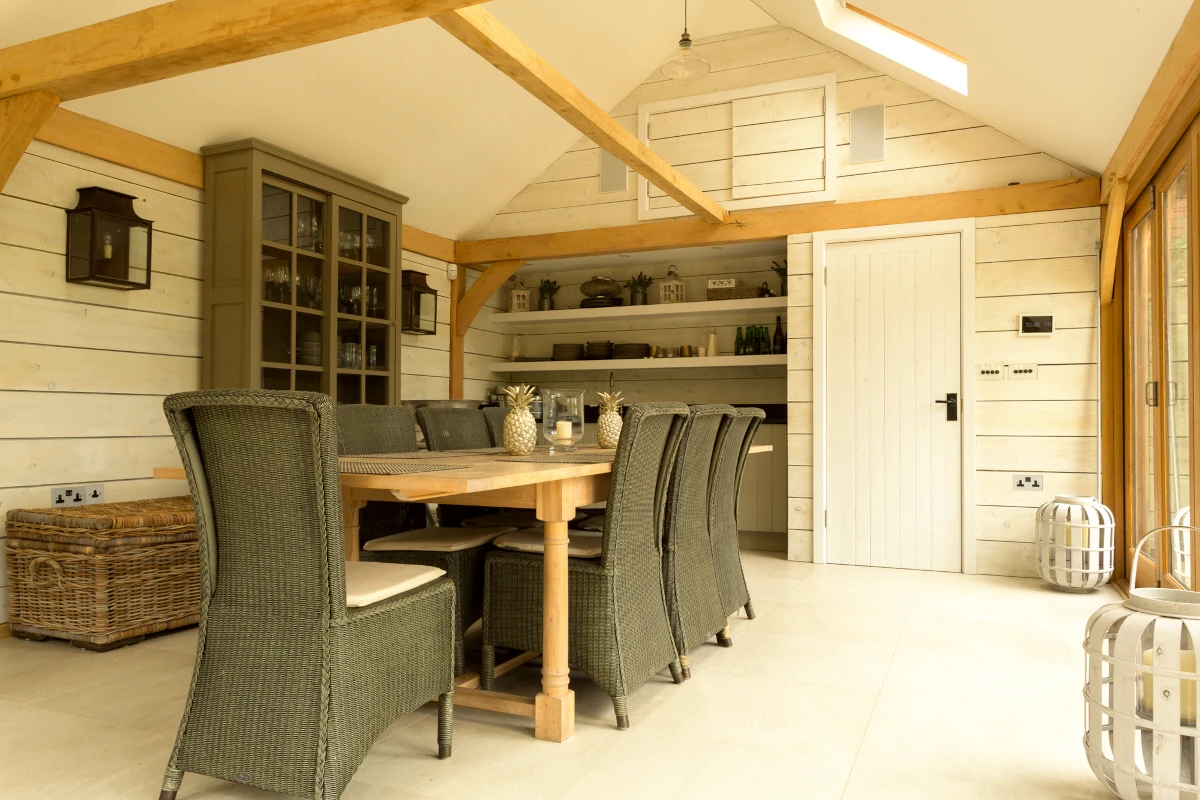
<point>821,240</point>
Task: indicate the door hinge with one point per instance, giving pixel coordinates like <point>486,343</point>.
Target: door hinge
<point>827,518</point>
<point>823,99</point>
<point>822,168</point>
<point>826,276</point>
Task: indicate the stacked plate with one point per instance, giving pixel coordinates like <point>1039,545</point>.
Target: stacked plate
<point>631,350</point>
<point>601,302</point>
<point>308,349</point>
<point>567,352</point>
<point>599,350</point>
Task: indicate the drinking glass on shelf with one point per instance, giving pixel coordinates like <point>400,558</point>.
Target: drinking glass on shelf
<point>373,356</point>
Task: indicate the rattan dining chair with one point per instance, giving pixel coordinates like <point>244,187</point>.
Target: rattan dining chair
<point>303,659</point>
<point>689,574</point>
<point>449,428</point>
<point>373,430</point>
<point>495,421</point>
<point>618,629</point>
<point>733,445</point>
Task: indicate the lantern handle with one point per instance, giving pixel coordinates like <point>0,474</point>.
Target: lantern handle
<point>1137,553</point>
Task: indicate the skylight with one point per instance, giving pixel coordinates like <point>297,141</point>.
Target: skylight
<point>893,42</point>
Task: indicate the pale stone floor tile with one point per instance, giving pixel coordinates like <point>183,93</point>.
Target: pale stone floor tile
<point>851,683</point>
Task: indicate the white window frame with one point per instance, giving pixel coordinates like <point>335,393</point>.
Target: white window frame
<point>828,81</point>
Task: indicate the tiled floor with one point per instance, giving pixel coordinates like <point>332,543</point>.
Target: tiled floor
<point>851,683</point>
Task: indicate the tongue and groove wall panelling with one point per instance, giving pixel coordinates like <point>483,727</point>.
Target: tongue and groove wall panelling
<point>800,399</point>
<point>84,370</point>
<point>931,147</point>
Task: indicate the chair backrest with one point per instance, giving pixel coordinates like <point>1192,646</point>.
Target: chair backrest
<point>733,443</point>
<point>367,429</point>
<point>448,428</point>
<point>641,473</point>
<point>495,421</point>
<point>687,502</point>
<point>262,467</point>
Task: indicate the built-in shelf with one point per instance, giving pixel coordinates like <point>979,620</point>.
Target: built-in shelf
<point>704,308</point>
<point>618,364</point>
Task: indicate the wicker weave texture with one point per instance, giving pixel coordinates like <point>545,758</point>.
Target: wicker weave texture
<point>447,428</point>
<point>291,688</point>
<point>368,429</point>
<point>495,421</point>
<point>689,574</point>
<point>136,522</point>
<point>619,633</point>
<point>71,592</point>
<point>733,444</point>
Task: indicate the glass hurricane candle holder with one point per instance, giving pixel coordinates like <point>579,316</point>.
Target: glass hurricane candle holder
<point>562,419</point>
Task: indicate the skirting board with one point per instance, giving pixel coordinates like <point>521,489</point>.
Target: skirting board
<point>769,541</point>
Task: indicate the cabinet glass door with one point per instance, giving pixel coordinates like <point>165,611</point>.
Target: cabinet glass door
<point>364,333</point>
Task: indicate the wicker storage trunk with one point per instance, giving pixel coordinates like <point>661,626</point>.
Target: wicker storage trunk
<point>104,575</point>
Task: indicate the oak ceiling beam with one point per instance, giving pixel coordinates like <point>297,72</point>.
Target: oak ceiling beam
<point>483,33</point>
<point>21,117</point>
<point>778,223</point>
<point>416,240</point>
<point>1111,245</point>
<point>186,36</point>
<point>1168,107</point>
<point>485,286</point>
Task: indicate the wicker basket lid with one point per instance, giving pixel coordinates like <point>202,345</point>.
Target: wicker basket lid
<point>146,522</point>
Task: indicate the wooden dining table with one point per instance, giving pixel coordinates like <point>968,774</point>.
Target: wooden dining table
<point>555,491</point>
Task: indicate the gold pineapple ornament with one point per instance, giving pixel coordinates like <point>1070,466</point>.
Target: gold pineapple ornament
<point>608,426</point>
<point>520,429</point>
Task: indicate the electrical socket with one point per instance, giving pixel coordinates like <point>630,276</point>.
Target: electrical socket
<point>93,494</point>
<point>1027,483</point>
<point>989,372</point>
<point>63,496</point>
<point>1022,372</point>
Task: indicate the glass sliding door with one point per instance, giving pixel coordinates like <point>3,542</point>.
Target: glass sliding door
<point>1176,340</point>
<point>1143,386</point>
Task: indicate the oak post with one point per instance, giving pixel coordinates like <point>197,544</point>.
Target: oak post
<point>351,505</point>
<point>554,717</point>
<point>457,340</point>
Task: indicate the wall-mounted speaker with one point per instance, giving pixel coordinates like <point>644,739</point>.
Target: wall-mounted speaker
<point>866,134</point>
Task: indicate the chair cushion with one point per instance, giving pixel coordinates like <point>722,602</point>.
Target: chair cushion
<point>583,544</point>
<point>517,518</point>
<point>440,540</point>
<point>595,523</point>
<point>369,582</point>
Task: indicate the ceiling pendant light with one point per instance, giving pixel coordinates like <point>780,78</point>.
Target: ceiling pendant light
<point>684,64</point>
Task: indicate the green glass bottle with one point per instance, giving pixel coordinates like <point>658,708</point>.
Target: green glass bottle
<point>739,343</point>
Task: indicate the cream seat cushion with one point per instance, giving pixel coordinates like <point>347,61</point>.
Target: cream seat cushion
<point>369,582</point>
<point>583,544</point>
<point>438,540</point>
<point>595,523</point>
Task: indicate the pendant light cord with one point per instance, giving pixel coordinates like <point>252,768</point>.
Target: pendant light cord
<point>685,17</point>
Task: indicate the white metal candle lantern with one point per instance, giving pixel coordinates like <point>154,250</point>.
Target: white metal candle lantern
<point>518,298</point>
<point>1074,548</point>
<point>671,290</point>
<point>1140,690</point>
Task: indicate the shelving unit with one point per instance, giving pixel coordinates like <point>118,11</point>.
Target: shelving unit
<point>627,364</point>
<point>704,308</point>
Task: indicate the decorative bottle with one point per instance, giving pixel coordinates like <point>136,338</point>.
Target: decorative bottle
<point>739,344</point>
<point>779,345</point>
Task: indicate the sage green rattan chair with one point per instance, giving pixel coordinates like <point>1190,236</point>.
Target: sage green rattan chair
<point>371,430</point>
<point>495,421</point>
<point>689,574</point>
<point>301,662</point>
<point>733,445</point>
<point>448,428</point>
<point>618,630</point>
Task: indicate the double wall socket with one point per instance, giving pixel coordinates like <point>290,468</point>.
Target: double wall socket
<point>88,495</point>
<point>1027,483</point>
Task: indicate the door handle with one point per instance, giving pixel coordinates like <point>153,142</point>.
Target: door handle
<point>951,402</point>
<point>1152,393</point>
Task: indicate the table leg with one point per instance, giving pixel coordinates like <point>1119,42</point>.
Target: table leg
<point>554,709</point>
<point>351,505</point>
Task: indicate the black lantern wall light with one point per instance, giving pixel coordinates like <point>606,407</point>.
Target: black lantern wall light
<point>418,304</point>
<point>108,244</point>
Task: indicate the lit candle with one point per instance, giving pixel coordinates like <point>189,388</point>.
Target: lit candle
<point>562,430</point>
<point>108,245</point>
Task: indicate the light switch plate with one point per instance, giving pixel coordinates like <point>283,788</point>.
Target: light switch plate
<point>1022,372</point>
<point>1027,483</point>
<point>989,372</point>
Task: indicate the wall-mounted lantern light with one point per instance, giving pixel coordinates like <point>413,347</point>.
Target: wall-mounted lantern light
<point>108,244</point>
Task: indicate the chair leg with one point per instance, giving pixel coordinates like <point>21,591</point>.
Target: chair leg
<point>445,723</point>
<point>622,712</point>
<point>685,663</point>
<point>171,782</point>
<point>749,610</point>
<point>676,671</point>
<point>487,669</point>
<point>723,637</point>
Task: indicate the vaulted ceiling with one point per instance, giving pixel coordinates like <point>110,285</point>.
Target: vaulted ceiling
<point>413,110</point>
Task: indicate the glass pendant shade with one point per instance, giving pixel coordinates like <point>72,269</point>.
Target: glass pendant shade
<point>684,64</point>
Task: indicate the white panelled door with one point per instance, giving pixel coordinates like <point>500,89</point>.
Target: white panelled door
<point>894,458</point>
